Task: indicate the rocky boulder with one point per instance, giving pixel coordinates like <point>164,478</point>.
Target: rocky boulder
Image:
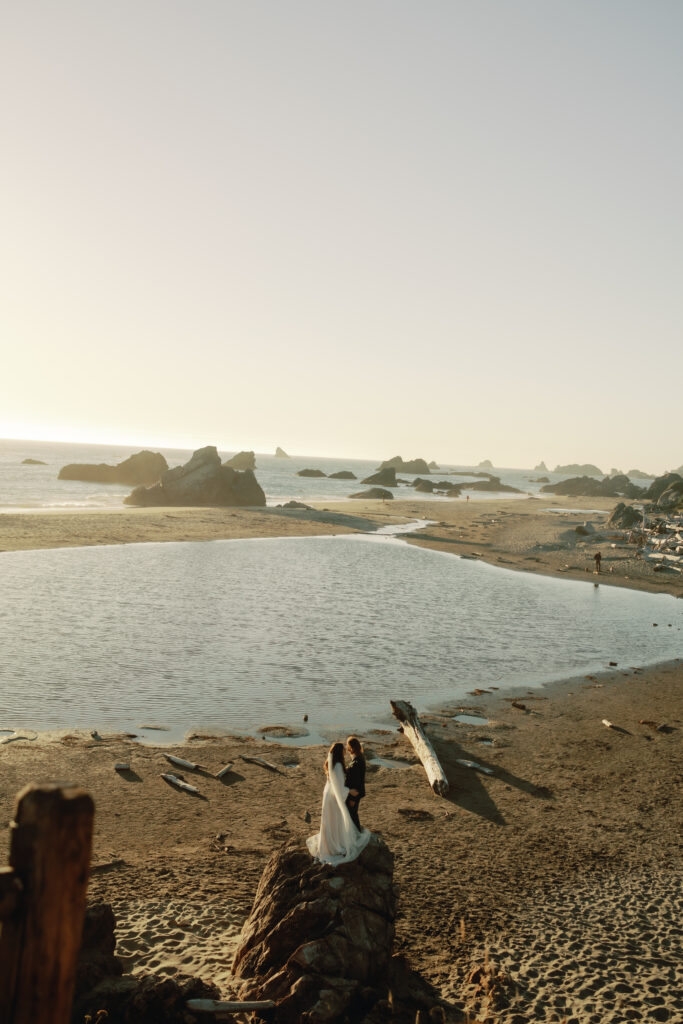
<point>486,464</point>
<point>281,454</point>
<point>588,486</point>
<point>624,517</point>
<point>143,468</point>
<point>296,505</point>
<point>311,472</point>
<point>201,481</point>
<point>541,468</point>
<point>242,461</point>
<point>373,493</point>
<point>343,474</point>
<point>661,484</point>
<point>582,469</point>
<point>384,478</point>
<point>424,486</point>
<point>672,497</point>
<point>319,938</point>
<point>33,462</point>
<point>433,466</point>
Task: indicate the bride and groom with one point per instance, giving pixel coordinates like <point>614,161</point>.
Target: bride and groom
<point>341,837</point>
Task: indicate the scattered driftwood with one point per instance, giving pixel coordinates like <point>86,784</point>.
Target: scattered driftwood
<point>475,765</point>
<point>518,704</point>
<point>122,766</point>
<point>413,731</point>
<point>224,771</point>
<point>262,764</point>
<point>607,723</point>
<point>173,780</point>
<point>180,762</point>
<point>220,1006</point>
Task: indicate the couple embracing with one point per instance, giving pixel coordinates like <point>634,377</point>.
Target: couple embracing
<point>341,837</point>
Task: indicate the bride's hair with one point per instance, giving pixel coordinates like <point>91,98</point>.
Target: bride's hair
<point>335,755</point>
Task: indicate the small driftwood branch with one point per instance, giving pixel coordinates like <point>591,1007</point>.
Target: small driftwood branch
<point>413,731</point>
<point>224,771</point>
<point>263,764</point>
<point>180,762</point>
<point>221,1006</point>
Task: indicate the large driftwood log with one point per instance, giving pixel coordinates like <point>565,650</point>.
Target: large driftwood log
<point>413,731</point>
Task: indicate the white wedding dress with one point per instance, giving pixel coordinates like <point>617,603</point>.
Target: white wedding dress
<point>338,840</point>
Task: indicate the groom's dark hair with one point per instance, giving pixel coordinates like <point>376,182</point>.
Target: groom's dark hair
<point>354,745</point>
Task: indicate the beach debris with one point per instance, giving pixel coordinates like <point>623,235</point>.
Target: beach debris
<point>474,764</point>
<point>107,865</point>
<point>614,664</point>
<point>607,723</point>
<point>518,704</point>
<point>18,736</point>
<point>413,731</point>
<point>122,766</point>
<point>477,692</point>
<point>224,771</point>
<point>307,817</point>
<point>180,783</point>
<point>95,735</point>
<point>305,718</point>
<point>180,762</point>
<point>223,1006</point>
<point>657,726</point>
<point>261,763</point>
<point>416,814</point>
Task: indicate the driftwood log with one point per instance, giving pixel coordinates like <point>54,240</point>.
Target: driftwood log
<point>413,731</point>
<point>43,903</point>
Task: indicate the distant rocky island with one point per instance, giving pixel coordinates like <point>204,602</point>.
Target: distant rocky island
<point>411,466</point>
<point>585,469</point>
<point>33,462</point>
<point>243,460</point>
<point>541,468</point>
<point>280,453</point>
<point>311,472</point>
<point>486,464</point>
<point>142,468</point>
<point>203,480</point>
<point>666,490</point>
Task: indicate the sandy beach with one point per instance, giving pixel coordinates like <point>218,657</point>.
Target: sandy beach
<point>549,890</point>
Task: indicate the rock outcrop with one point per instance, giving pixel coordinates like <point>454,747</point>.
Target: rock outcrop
<point>493,483</point>
<point>373,493</point>
<point>412,466</point>
<point>486,464</point>
<point>424,486</point>
<point>637,474</point>
<point>672,497</point>
<point>280,453</point>
<point>343,474</point>
<point>433,466</point>
<point>201,481</point>
<point>311,472</point>
<point>624,517</point>
<point>319,938</point>
<point>588,486</point>
<point>661,484</point>
<point>541,468</point>
<point>242,461</point>
<point>33,462</point>
<point>586,469</point>
<point>383,478</point>
<point>143,468</point>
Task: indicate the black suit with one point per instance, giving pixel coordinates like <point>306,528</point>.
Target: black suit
<point>355,779</point>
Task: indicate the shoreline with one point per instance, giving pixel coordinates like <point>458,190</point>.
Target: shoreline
<point>528,535</point>
<point>552,863</point>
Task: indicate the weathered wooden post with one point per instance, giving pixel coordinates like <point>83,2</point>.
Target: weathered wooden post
<point>42,903</point>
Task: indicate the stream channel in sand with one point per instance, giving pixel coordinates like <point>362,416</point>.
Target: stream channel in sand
<point>236,634</point>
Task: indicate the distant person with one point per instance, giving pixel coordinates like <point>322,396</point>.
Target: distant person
<point>339,840</point>
<point>467,497</point>
<point>598,559</point>
<point>355,778</point>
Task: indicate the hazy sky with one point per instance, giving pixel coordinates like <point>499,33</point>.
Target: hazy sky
<point>365,227</point>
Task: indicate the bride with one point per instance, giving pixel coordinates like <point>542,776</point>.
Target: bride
<point>338,840</point>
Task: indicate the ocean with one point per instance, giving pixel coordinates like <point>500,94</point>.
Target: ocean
<point>34,487</point>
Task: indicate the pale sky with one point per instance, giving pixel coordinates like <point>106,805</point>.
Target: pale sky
<point>437,228</point>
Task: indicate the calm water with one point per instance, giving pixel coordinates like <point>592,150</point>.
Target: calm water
<point>26,487</point>
<point>238,634</point>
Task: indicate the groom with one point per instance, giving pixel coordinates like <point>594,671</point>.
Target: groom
<point>355,778</point>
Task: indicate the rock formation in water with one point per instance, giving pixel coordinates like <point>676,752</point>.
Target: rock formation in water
<point>319,938</point>
<point>588,486</point>
<point>33,462</point>
<point>412,466</point>
<point>280,453</point>
<point>142,468</point>
<point>201,481</point>
<point>383,478</point>
<point>540,480</point>
<point>541,468</point>
<point>433,466</point>
<point>343,474</point>
<point>661,484</point>
<point>486,464</point>
<point>423,486</point>
<point>587,469</point>
<point>373,493</point>
<point>296,505</point>
<point>637,474</point>
<point>493,483</point>
<point>311,472</point>
<point>243,460</point>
